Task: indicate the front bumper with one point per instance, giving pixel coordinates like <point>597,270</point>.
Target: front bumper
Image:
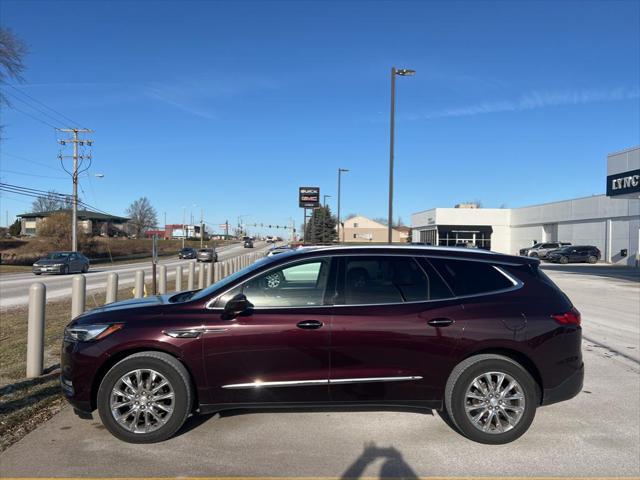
<point>78,365</point>
<point>48,269</point>
<point>566,390</point>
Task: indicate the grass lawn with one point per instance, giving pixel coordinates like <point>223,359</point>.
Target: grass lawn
<point>25,403</point>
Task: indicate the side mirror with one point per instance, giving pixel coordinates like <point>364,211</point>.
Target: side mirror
<point>236,306</point>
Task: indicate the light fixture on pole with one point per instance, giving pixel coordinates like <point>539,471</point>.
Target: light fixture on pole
<point>340,171</point>
<point>403,72</point>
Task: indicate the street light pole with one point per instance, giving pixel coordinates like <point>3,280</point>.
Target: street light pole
<point>340,170</point>
<point>404,72</point>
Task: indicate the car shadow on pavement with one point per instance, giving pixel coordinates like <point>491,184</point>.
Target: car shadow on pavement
<point>394,465</point>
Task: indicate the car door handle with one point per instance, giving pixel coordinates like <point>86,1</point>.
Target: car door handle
<point>440,322</point>
<point>310,324</point>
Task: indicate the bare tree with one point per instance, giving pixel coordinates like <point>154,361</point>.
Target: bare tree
<point>49,202</point>
<point>12,52</point>
<point>142,216</point>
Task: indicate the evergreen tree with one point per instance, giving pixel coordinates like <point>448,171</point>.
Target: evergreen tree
<point>321,227</point>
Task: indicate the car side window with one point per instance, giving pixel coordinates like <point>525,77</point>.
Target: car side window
<point>378,280</point>
<point>299,285</point>
<point>466,277</point>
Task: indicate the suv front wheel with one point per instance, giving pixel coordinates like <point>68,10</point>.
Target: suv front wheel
<point>491,399</point>
<point>145,398</point>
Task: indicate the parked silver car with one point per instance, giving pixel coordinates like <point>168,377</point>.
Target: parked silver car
<point>541,250</point>
<point>207,255</point>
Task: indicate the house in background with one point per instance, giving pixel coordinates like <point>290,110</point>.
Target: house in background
<point>360,229</point>
<point>90,223</point>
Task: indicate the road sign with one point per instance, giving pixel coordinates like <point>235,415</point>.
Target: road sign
<point>309,197</point>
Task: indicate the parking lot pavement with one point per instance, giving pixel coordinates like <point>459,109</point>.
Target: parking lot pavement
<point>595,434</point>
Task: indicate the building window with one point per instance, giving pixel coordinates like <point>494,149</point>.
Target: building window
<point>355,235</point>
<point>355,225</point>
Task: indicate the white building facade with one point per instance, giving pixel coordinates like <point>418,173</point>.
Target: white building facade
<point>610,222</point>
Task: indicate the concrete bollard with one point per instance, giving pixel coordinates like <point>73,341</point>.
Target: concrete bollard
<point>216,272</point>
<point>192,274</point>
<point>209,279</point>
<point>178,278</point>
<point>35,330</point>
<point>201,275</point>
<point>162,281</point>
<point>112,288</point>
<point>139,285</point>
<point>78,295</point>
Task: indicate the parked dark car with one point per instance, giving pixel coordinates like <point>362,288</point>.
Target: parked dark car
<point>248,242</point>
<point>575,253</point>
<point>540,250</point>
<point>62,263</point>
<point>481,337</point>
<point>206,255</point>
<point>187,252</point>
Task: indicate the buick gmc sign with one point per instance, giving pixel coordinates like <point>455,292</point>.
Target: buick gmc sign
<point>309,197</point>
<point>623,183</point>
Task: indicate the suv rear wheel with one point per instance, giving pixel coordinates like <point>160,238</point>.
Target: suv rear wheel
<point>491,399</point>
<point>145,398</point>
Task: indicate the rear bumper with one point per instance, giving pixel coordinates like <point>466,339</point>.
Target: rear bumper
<point>566,390</point>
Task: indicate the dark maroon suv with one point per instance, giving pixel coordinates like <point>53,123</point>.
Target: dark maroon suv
<point>480,337</point>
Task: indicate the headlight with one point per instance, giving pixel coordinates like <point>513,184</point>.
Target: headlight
<point>86,333</point>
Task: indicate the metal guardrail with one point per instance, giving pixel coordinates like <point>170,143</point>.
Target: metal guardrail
<point>207,274</point>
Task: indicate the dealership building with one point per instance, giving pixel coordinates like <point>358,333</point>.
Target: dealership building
<point>610,221</point>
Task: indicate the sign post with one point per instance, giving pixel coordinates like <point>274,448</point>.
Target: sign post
<point>308,197</point>
<point>154,262</point>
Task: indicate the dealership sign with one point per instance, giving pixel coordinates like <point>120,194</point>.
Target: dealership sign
<point>309,197</point>
<point>623,183</point>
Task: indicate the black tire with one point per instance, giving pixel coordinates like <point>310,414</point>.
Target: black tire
<point>446,418</point>
<point>165,365</point>
<point>564,260</point>
<point>85,268</point>
<point>462,377</point>
<point>592,259</point>
<point>65,270</point>
<point>37,273</point>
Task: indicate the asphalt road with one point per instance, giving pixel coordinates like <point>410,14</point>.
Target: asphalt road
<point>595,434</point>
<point>14,287</point>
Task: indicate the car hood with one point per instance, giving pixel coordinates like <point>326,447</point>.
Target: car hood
<point>132,303</point>
<point>49,261</point>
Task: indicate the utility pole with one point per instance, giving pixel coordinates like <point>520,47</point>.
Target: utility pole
<point>340,171</point>
<point>201,227</point>
<point>226,229</point>
<point>184,227</point>
<point>165,225</point>
<point>74,175</point>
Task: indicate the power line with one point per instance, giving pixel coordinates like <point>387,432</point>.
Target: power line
<point>44,105</point>
<point>30,161</point>
<point>39,110</point>
<point>31,174</point>
<point>13,107</point>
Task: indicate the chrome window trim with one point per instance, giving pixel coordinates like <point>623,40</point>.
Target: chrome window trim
<point>517,284</point>
<point>328,381</point>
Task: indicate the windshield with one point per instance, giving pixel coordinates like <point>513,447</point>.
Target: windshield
<point>205,292</point>
<point>564,249</point>
<point>57,255</point>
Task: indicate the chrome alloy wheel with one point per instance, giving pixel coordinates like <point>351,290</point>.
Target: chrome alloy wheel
<point>142,401</point>
<point>494,402</point>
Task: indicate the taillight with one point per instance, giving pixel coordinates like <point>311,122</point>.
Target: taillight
<point>572,317</point>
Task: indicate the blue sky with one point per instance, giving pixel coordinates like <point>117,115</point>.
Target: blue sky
<point>232,106</point>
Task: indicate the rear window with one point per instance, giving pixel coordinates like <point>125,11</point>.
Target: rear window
<point>469,277</point>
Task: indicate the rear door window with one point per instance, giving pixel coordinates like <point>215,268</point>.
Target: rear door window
<point>371,280</point>
<point>466,277</point>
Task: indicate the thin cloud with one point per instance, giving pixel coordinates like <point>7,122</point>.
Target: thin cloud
<point>535,100</point>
